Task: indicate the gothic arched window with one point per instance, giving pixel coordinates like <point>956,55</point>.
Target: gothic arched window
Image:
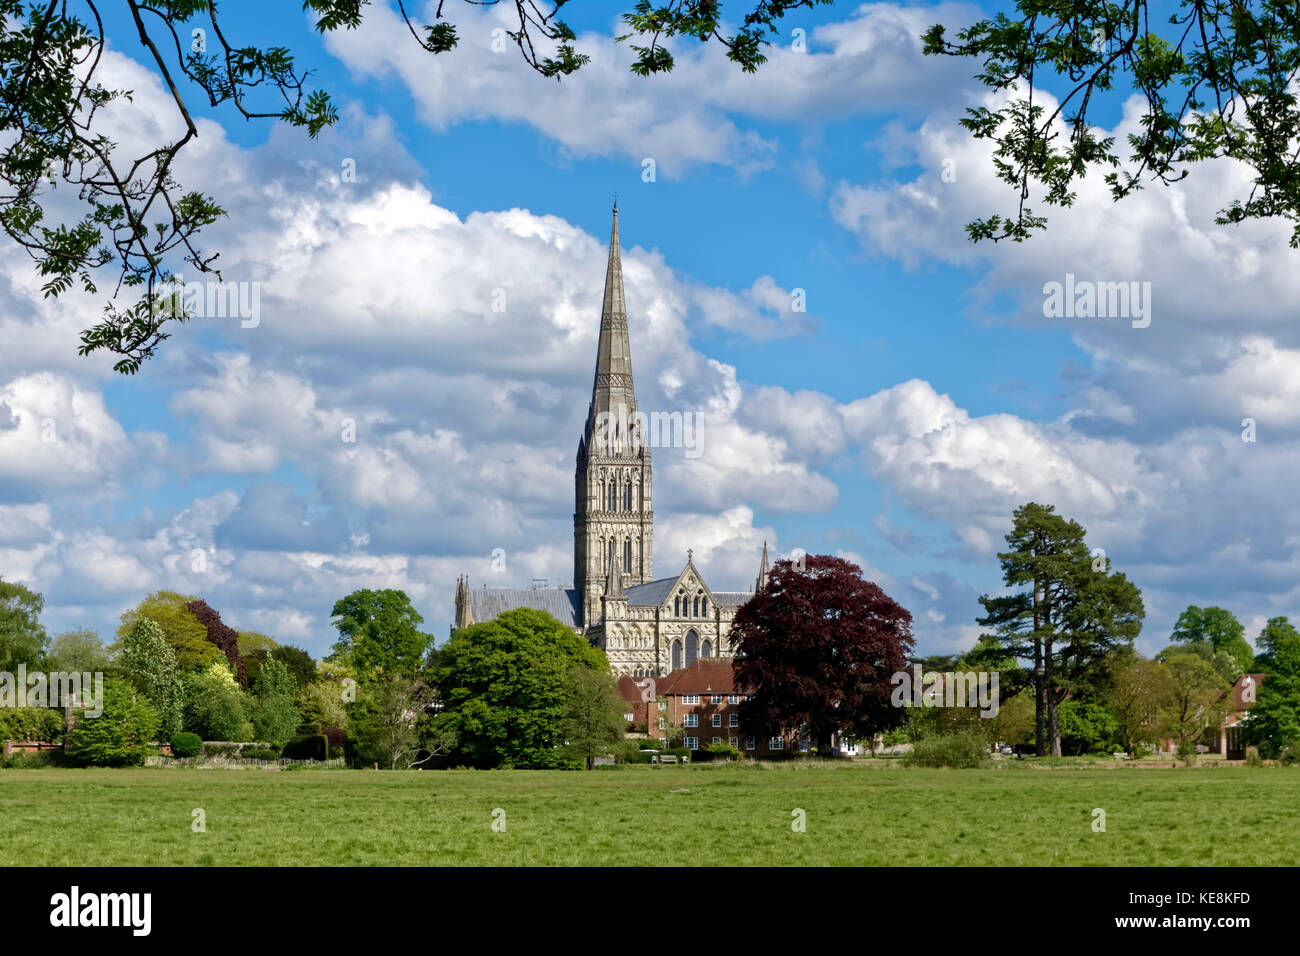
<point>695,610</point>
<point>706,649</point>
<point>613,496</point>
<point>692,647</point>
<point>627,497</point>
<point>677,654</point>
<point>609,554</point>
<point>704,607</point>
<point>627,555</point>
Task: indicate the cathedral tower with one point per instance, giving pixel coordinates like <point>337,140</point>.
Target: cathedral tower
<point>613,520</point>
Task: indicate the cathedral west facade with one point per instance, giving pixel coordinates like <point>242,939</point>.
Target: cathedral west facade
<point>646,626</point>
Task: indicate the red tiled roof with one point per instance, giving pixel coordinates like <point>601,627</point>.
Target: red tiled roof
<point>627,687</point>
<point>705,676</point>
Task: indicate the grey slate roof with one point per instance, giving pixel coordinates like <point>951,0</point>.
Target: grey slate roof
<point>732,598</point>
<point>560,603</point>
<point>651,593</point>
<point>656,592</point>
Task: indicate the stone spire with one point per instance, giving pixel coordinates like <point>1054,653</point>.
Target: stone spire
<point>761,581</point>
<point>611,390</point>
<point>613,521</point>
<point>464,614</point>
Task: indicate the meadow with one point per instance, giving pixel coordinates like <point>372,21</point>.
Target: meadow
<point>867,813</point>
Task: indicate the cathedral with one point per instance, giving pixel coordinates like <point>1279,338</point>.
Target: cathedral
<point>646,626</point>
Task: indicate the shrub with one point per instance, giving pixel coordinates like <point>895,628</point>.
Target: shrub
<point>31,724</point>
<point>722,752</point>
<point>963,750</point>
<point>120,736</point>
<point>215,707</point>
<point>186,745</point>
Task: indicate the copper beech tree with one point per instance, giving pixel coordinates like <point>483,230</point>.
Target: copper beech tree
<point>815,648</point>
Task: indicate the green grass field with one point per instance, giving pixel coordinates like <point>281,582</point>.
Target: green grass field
<point>873,814</point>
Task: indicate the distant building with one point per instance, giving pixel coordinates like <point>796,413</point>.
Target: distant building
<point>1227,739</point>
<point>705,701</point>
<point>646,626</point>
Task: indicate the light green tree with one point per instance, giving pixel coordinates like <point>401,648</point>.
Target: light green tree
<point>1198,700</point>
<point>379,632</point>
<point>274,712</point>
<point>120,736</point>
<point>1211,631</point>
<point>593,715</point>
<point>1139,690</point>
<point>80,650</point>
<point>184,632</point>
<point>22,638</point>
<point>505,689</point>
<point>215,706</point>
<point>148,662</point>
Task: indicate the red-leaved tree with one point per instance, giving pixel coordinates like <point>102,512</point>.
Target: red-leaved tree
<point>220,634</point>
<point>816,648</point>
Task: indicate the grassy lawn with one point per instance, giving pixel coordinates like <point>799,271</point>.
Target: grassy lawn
<point>641,815</point>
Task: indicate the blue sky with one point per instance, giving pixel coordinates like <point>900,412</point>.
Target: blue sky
<point>921,397</point>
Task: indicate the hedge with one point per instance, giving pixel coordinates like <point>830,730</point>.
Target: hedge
<point>31,724</point>
<point>186,745</point>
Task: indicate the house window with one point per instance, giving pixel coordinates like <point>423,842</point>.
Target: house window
<point>733,698</point>
<point>661,723</point>
<point>776,743</point>
<point>629,717</point>
<point>691,720</point>
<point>717,720</point>
<point>690,698</point>
<point>692,743</point>
<point>715,699</point>
<point>717,740</point>
<point>731,741</point>
<point>749,743</point>
<point>733,720</point>
<point>663,705</point>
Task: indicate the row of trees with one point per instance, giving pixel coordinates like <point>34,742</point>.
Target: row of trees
<point>522,690</point>
<point>1062,641</point>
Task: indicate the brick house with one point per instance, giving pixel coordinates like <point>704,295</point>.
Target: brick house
<point>705,700</point>
<point>1227,739</point>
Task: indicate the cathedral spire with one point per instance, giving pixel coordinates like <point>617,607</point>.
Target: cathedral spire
<point>761,582</point>
<point>612,392</point>
<point>613,520</point>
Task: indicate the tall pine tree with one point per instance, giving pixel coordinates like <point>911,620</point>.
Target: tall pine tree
<point>1069,613</point>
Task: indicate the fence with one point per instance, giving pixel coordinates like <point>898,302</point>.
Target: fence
<point>241,764</point>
